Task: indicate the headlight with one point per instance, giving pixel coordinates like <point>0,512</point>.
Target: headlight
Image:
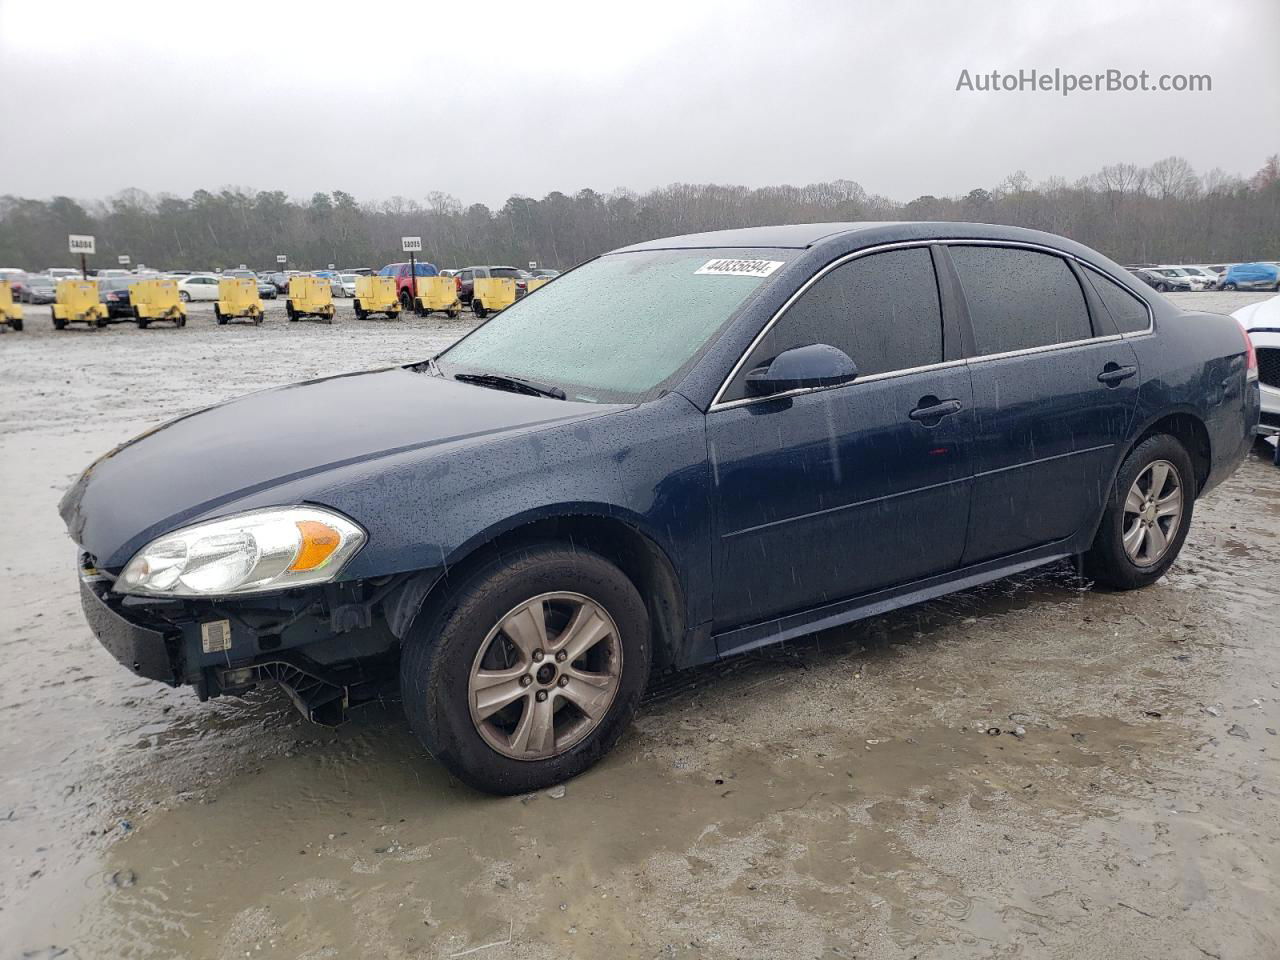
<point>250,553</point>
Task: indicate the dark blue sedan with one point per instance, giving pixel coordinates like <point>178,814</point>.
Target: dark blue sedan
<point>678,451</point>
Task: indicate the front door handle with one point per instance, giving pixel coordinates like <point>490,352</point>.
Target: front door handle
<point>1113,373</point>
<point>931,410</point>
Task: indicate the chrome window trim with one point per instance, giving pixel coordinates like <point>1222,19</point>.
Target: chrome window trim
<point>718,404</point>
<point>887,375</point>
<point>1046,348</point>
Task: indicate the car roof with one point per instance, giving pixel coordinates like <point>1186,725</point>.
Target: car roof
<point>798,236</point>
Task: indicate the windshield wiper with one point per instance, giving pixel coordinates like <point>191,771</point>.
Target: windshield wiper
<point>500,381</point>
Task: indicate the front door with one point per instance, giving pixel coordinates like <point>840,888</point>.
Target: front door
<point>841,491</point>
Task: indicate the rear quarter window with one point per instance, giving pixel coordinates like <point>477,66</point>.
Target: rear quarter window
<point>1126,310</point>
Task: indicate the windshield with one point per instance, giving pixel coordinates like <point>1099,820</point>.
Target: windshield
<point>616,329</point>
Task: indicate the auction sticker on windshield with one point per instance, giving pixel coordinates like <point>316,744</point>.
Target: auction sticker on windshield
<point>739,268</point>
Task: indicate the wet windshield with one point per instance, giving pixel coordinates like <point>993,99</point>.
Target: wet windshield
<point>619,328</point>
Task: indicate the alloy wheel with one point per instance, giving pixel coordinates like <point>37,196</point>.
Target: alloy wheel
<point>545,676</point>
<point>1152,512</point>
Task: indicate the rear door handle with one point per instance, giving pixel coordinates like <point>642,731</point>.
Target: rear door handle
<point>1113,373</point>
<point>931,410</point>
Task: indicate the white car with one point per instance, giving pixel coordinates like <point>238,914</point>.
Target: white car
<point>343,285</point>
<point>1262,320</point>
<point>1208,279</point>
<point>198,286</point>
<point>1199,279</point>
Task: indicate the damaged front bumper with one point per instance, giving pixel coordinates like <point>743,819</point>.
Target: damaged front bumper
<point>323,646</point>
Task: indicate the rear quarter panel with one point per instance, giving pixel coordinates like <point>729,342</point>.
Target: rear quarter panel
<point>1195,363</point>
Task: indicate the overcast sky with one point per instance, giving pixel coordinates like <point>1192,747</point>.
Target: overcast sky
<point>486,100</point>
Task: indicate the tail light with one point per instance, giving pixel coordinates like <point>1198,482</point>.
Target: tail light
<point>1250,355</point>
<point>457,283</point>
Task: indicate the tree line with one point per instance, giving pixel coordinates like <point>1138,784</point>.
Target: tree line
<point>1162,213</point>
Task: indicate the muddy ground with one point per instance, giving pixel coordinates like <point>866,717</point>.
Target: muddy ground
<point>859,794</point>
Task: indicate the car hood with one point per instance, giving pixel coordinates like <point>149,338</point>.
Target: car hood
<point>188,468</point>
<point>1263,315</point>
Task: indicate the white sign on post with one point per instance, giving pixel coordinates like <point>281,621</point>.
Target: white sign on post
<point>242,267</point>
<point>331,266</point>
<point>281,258</point>
<point>80,243</point>
<point>411,244</point>
<point>533,264</point>
<point>123,259</point>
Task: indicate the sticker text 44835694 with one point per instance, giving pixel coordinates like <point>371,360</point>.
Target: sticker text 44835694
<point>739,268</point>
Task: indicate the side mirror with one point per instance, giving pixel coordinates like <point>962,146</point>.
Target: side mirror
<point>801,368</point>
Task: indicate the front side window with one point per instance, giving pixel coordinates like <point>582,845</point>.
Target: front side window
<point>882,310</point>
<point>1128,312</point>
<point>620,328</point>
<point>1019,299</point>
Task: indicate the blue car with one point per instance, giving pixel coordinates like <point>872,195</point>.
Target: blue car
<point>1251,276</point>
<point>679,451</point>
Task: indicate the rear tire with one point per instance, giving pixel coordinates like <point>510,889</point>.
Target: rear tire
<point>184,296</point>
<point>1228,286</point>
<point>1133,515</point>
<point>59,323</point>
<point>16,323</point>
<point>217,315</point>
<point>361,313</point>
<point>288,308</point>
<point>478,309</point>
<point>457,639</point>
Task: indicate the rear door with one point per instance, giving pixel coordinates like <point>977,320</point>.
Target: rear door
<point>840,491</point>
<point>1054,390</point>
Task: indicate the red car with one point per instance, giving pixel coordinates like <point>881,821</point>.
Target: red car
<point>404,289</point>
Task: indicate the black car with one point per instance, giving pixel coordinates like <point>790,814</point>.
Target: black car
<point>1164,279</point>
<point>38,288</point>
<point>114,292</point>
<point>602,483</point>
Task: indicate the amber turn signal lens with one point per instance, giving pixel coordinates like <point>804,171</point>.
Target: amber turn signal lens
<point>319,540</point>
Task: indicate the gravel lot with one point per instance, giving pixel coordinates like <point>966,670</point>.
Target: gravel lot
<point>859,794</point>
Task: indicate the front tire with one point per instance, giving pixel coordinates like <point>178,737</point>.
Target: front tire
<point>478,309</point>
<point>184,296</point>
<point>529,670</point>
<point>1147,517</point>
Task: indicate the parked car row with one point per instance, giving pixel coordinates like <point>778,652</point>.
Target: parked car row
<point>201,285</point>
<point>1170,278</point>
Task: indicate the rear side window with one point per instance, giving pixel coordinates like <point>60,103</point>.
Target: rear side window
<point>1128,312</point>
<point>509,273</point>
<point>1019,299</point>
<point>882,310</point>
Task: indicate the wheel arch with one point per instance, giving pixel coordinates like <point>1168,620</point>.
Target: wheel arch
<point>621,542</point>
<point>1187,428</point>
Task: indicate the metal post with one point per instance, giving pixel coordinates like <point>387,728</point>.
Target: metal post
<point>84,268</point>
<point>413,281</point>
